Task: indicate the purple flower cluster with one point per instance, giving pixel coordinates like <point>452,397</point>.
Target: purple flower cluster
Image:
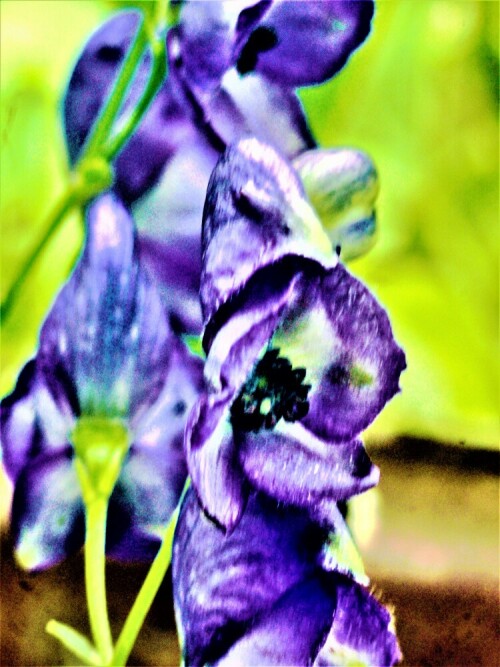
<point>226,80</point>
<point>300,357</point>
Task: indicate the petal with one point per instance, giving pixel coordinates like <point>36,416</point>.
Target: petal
<point>153,476</point>
<point>312,40</point>
<point>204,40</point>
<point>33,422</point>
<point>175,268</point>
<point>291,633</point>
<point>161,427</point>
<point>168,218</point>
<point>174,207</point>
<point>212,460</point>
<point>362,632</point>
<point>343,338</point>
<point>221,583</point>
<point>143,501</point>
<point>17,420</point>
<point>47,512</point>
<point>107,335</point>
<point>255,214</point>
<point>243,327</point>
<point>229,105</point>
<point>342,185</point>
<point>254,106</point>
<point>293,466</point>
<point>163,128</point>
<point>93,76</point>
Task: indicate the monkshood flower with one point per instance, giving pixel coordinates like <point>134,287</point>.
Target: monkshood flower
<point>108,365</point>
<point>300,356</point>
<point>262,595</point>
<point>233,70</point>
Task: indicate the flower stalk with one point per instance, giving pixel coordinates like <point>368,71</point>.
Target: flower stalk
<point>102,146</point>
<point>95,577</point>
<point>146,595</point>
<point>100,446</point>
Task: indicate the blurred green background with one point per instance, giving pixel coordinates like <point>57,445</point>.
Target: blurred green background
<point>421,97</point>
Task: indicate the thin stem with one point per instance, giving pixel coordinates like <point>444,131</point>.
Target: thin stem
<point>59,212</point>
<point>100,145</point>
<point>95,576</point>
<point>156,78</point>
<point>102,126</point>
<point>145,598</point>
<point>74,642</point>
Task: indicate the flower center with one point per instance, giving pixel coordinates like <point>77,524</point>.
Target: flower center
<point>273,391</point>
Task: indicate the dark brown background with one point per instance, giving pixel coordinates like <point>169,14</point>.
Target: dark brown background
<point>432,553</point>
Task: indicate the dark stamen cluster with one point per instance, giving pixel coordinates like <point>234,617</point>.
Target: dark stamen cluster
<point>274,390</point>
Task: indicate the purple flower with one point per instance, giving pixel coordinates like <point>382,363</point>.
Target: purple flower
<point>263,595</point>
<point>106,354</point>
<point>300,356</point>
<point>233,70</point>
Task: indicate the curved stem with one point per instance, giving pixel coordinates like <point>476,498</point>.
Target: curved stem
<point>95,576</point>
<point>99,143</point>
<point>146,595</point>
<point>104,122</point>
<point>74,642</point>
<point>59,212</point>
<point>156,78</point>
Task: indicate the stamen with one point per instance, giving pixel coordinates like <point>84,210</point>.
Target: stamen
<point>275,390</point>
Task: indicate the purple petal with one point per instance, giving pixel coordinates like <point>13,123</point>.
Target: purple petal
<point>161,427</point>
<point>153,476</point>
<point>17,420</point>
<point>212,460</point>
<point>343,338</point>
<point>293,466</point>
<point>175,268</point>
<point>168,218</point>
<point>32,422</point>
<point>222,583</point>
<point>362,630</point>
<point>143,501</point>
<point>107,337</point>
<point>312,40</point>
<point>290,633</point>
<point>93,76</point>
<point>47,512</point>
<point>204,40</point>
<point>255,214</point>
<point>235,343</point>
<point>231,106</point>
<point>253,106</point>
<point>163,128</point>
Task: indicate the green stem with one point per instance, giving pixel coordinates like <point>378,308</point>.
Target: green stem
<point>146,595</point>
<point>95,150</point>
<point>59,212</point>
<point>102,126</point>
<point>156,78</point>
<point>74,642</point>
<point>95,576</point>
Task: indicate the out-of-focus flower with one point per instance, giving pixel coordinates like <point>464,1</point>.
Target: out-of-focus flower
<point>300,356</point>
<point>263,596</point>
<point>107,362</point>
<point>233,70</point>
<point>342,185</point>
